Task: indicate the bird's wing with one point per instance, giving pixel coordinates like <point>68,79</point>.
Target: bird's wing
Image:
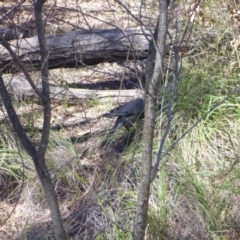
<point>128,109</point>
<point>116,114</point>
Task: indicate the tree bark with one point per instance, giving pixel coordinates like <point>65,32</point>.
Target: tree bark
<point>19,89</point>
<point>38,156</point>
<point>79,48</point>
<point>155,78</point>
<point>39,162</point>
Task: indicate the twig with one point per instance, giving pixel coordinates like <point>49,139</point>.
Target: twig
<point>11,10</point>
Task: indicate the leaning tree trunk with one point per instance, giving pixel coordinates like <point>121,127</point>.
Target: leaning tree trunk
<point>38,156</point>
<point>39,163</point>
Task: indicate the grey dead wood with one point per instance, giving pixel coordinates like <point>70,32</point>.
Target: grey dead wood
<point>19,88</point>
<point>79,48</point>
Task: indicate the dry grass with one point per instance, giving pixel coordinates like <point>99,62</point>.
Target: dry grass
<point>196,194</point>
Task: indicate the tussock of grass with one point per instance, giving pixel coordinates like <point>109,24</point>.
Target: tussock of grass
<point>199,194</point>
<point>195,195</point>
<point>197,199</point>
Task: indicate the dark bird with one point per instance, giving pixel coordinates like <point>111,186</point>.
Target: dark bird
<point>127,114</point>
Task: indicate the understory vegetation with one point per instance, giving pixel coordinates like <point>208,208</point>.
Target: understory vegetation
<point>196,194</point>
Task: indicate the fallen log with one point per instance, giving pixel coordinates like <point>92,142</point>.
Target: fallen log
<point>79,48</point>
<point>19,89</point>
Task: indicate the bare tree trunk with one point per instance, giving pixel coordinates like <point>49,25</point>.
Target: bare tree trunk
<point>40,165</point>
<point>38,156</point>
<point>154,79</point>
<point>39,162</point>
